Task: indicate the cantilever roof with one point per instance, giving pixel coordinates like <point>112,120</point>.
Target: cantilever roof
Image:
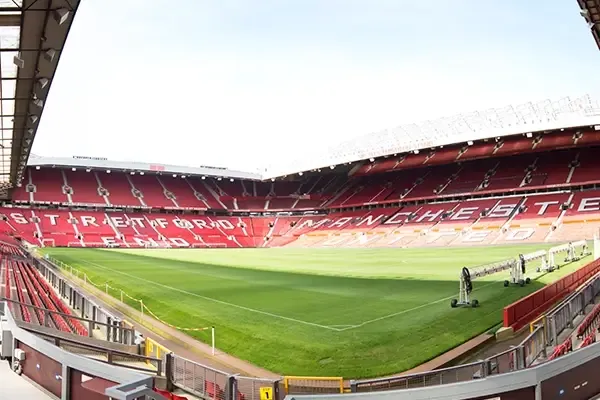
<point>590,11</point>
<point>32,36</point>
<point>498,122</point>
<point>136,167</point>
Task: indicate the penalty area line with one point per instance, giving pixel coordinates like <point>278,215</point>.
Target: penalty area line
<point>405,311</point>
<point>332,328</point>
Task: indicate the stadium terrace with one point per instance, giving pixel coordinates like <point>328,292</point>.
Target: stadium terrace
<point>454,259</point>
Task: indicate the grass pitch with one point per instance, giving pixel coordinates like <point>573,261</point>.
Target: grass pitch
<point>354,313</point>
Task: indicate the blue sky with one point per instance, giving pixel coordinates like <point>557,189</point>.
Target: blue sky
<point>245,83</point>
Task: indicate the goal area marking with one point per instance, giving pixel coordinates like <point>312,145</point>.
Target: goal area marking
<point>335,327</point>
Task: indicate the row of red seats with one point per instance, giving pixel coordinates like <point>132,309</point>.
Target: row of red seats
<point>6,283</point>
<point>461,152</point>
<point>59,321</point>
<point>589,339</point>
<point>21,297</point>
<point>562,349</point>
<point>589,322</point>
<point>33,295</point>
<point>74,323</point>
<point>169,395</point>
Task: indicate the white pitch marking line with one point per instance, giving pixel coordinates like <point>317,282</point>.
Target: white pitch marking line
<point>215,300</point>
<point>407,310</point>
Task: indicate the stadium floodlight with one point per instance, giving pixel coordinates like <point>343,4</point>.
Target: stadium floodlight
<point>108,171</point>
<point>34,118</point>
<point>141,172</point>
<point>332,167</point>
<point>49,55</point>
<point>529,135</point>
<point>88,170</point>
<point>174,175</point>
<point>43,82</point>
<point>182,176</point>
<point>37,167</point>
<point>39,103</point>
<point>300,173</point>
<point>219,178</point>
<point>73,169</point>
<point>203,177</point>
<point>61,15</point>
<point>230,179</point>
<point>18,61</point>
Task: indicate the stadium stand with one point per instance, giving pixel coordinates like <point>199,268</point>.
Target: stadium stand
<point>522,188</point>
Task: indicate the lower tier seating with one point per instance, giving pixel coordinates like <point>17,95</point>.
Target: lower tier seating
<point>532,219</point>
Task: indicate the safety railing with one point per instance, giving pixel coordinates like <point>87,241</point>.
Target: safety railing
<point>112,333</point>
<point>110,356</point>
<point>561,317</point>
<point>200,380</point>
<point>533,346</point>
<point>155,350</point>
<point>109,327</point>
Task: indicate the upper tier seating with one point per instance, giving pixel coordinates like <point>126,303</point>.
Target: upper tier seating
<point>417,177</point>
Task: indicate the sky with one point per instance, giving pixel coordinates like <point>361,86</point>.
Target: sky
<point>248,83</point>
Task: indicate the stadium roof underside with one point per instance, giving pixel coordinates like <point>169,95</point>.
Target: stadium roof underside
<point>543,116</point>
<point>590,10</point>
<point>32,36</point>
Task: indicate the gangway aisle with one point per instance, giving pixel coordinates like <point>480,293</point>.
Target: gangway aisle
<point>12,386</point>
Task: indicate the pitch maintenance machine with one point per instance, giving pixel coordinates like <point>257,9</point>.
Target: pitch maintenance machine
<point>518,268</point>
<point>467,276</point>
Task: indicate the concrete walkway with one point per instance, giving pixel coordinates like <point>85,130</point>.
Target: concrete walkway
<point>13,386</point>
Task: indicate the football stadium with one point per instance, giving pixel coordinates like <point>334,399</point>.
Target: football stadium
<point>456,258</point>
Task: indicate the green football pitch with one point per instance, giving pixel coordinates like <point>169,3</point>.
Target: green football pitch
<point>354,313</point>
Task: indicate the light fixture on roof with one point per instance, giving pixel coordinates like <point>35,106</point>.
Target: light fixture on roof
<point>38,102</point>
<point>28,141</point>
<point>371,159</point>
<point>584,13</point>
<point>34,118</point>
<point>37,167</point>
<point>132,173</point>
<point>219,178</point>
<point>272,179</point>
<point>300,173</point>
<point>597,127</point>
<point>108,171</point>
<point>470,143</point>
<point>73,169</point>
<point>203,177</point>
<point>49,55</point>
<point>61,15</point>
<point>174,175</point>
<point>416,151</point>
<point>43,82</point>
<point>18,61</point>
<point>230,179</point>
<point>30,132</point>
<point>332,167</point>
<point>183,176</point>
<point>88,170</point>
<point>142,172</point>
<point>529,135</point>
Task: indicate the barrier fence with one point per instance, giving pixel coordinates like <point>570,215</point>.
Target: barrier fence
<point>524,310</point>
<point>561,317</point>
